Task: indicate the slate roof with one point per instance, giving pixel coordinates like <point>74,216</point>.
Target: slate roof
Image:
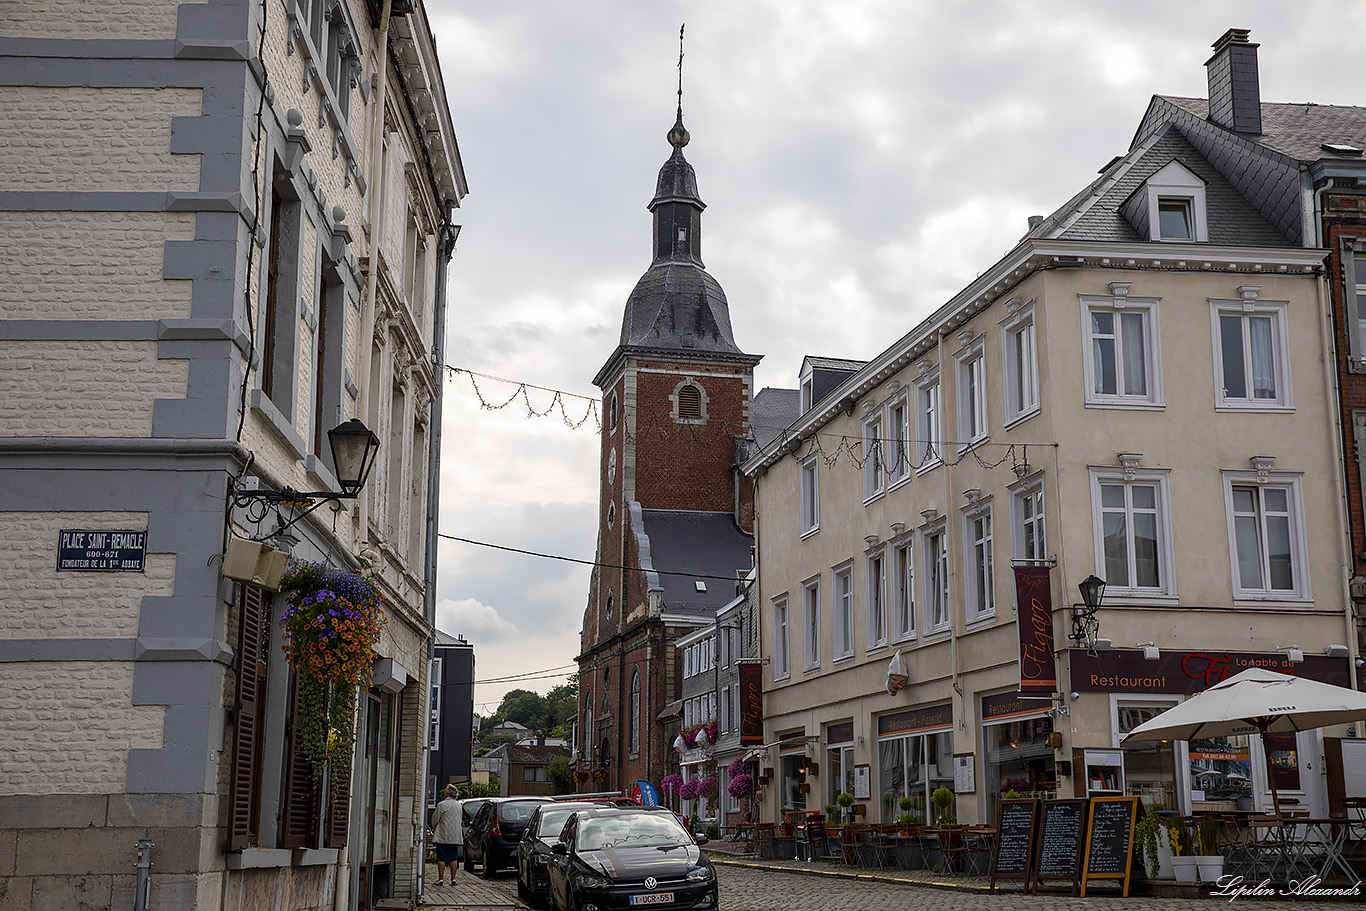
<point>678,305</point>
<point>832,363</point>
<point>700,543</point>
<point>1096,214</point>
<point>1297,130</point>
<point>772,412</point>
<point>528,754</point>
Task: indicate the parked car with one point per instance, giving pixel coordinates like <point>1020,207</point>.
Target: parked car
<point>533,851</point>
<point>491,840</point>
<point>620,857</point>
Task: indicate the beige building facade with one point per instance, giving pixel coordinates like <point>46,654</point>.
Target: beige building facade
<point>1141,391</point>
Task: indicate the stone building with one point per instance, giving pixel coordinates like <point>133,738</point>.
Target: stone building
<point>227,228</point>
<point>675,521</point>
<point>1140,393</point>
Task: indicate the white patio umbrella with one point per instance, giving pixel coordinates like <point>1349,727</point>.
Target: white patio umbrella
<point>1256,701</point>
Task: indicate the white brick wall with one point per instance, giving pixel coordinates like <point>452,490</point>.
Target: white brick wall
<point>107,265</point>
<point>106,388</point>
<point>84,139</point>
<point>83,19</point>
<point>67,727</point>
<point>71,605</point>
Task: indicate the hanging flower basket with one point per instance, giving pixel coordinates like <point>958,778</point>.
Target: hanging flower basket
<point>707,786</point>
<point>671,784</point>
<point>599,776</point>
<point>331,626</point>
<point>582,776</point>
<point>741,785</point>
<point>690,789</point>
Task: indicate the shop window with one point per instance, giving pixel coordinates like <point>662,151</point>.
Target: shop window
<point>1220,770</point>
<point>913,766</point>
<point>1149,765</point>
<point>1018,751</point>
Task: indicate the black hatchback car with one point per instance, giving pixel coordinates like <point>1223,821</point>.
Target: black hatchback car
<point>491,840</point>
<point>618,857</point>
<point>533,851</point>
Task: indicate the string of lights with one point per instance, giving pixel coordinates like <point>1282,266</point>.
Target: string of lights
<point>657,425</point>
<point>558,400</point>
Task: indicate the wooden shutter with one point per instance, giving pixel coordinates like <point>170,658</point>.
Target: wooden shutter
<point>253,649</point>
<point>689,401</point>
<point>339,807</point>
<point>299,808</point>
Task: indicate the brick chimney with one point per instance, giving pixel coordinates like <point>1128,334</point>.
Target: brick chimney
<point>1235,97</point>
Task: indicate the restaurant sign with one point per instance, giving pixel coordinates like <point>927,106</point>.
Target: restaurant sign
<point>935,716</point>
<point>1033,595</point>
<point>1127,671</point>
<point>751,703</point>
<point>121,551</point>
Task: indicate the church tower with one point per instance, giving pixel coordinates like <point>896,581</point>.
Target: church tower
<point>675,520</point>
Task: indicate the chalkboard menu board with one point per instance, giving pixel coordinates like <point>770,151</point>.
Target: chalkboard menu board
<point>1016,822</point>
<point>1109,849</point>
<point>1061,835</point>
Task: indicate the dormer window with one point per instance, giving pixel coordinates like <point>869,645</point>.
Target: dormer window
<point>1175,210</point>
<point>1174,220</point>
<point>806,394</point>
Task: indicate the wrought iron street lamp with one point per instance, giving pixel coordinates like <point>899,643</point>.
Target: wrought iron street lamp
<point>1084,622</point>
<point>354,447</point>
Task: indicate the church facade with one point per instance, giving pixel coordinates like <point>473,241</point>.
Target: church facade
<point>675,526</point>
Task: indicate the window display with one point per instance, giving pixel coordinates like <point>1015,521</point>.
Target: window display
<point>1149,765</point>
<point>913,766</point>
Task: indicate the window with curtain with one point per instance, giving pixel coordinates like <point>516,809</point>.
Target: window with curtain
<point>1132,523</point>
<point>1121,357</point>
<point>1266,523</point>
<point>1250,356</point>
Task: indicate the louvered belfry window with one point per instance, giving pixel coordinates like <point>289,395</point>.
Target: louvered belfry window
<point>689,402</point>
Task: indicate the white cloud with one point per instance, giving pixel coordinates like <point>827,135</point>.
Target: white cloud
<point>476,622</point>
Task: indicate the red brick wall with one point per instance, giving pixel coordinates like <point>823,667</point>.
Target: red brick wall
<point>1345,217</point>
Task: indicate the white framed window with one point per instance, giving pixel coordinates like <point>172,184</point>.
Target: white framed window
<point>929,434</point>
<point>1176,205</point>
<point>1266,533</point>
<point>874,472</point>
<point>1353,252</point>
<point>1021,362</point>
<point>1121,359</point>
<point>843,646</point>
<point>782,669</point>
<point>1251,353</point>
<point>903,591</point>
<point>1028,538</point>
<point>725,724</point>
<point>898,448</point>
<point>877,599</point>
<point>810,496</point>
<point>1131,517</point>
<point>934,554</point>
<point>972,394</point>
<point>811,624</point>
<point>979,559</point>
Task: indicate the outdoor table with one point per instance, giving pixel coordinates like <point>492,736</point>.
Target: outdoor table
<point>1310,840</point>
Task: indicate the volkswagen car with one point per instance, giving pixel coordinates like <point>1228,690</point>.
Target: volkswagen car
<point>629,857</point>
<point>533,851</point>
<point>491,840</point>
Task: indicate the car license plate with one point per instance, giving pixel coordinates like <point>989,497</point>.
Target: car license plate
<point>654,898</point>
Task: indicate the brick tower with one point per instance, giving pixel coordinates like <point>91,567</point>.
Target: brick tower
<point>675,521</point>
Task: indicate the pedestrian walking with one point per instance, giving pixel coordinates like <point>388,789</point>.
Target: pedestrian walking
<point>447,834</point>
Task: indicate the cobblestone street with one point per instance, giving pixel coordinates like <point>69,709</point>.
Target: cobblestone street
<point>745,888</point>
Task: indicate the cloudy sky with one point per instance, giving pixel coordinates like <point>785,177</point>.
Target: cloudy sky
<point>861,160</point>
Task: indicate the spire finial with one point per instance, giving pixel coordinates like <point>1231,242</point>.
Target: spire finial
<point>678,136</point>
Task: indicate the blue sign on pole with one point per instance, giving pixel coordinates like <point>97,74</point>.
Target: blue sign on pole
<point>649,797</point>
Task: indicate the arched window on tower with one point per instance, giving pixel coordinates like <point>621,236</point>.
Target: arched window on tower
<point>689,402</point>
<point>609,605</point>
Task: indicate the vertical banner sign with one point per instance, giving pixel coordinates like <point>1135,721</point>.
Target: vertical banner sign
<point>1038,670</point>
<point>751,704</point>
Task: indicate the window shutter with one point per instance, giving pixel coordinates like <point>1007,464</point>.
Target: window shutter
<point>339,807</point>
<point>299,814</point>
<point>253,648</point>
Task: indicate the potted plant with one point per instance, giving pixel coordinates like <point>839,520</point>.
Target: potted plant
<point>943,798</point>
<point>1150,836</point>
<point>331,625</point>
<point>847,846</point>
<point>1209,863</point>
<point>845,800</point>
<point>1183,860</point>
<point>905,821</point>
<point>830,813</point>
